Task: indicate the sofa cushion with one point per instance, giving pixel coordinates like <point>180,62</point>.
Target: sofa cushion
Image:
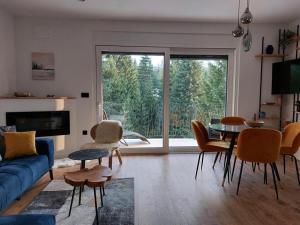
<point>10,188</point>
<point>2,144</point>
<point>19,144</point>
<point>33,219</point>
<point>36,166</point>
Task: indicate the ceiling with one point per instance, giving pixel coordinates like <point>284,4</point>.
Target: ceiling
<point>264,11</point>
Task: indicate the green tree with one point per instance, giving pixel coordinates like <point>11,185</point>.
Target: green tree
<point>185,92</point>
<point>214,102</point>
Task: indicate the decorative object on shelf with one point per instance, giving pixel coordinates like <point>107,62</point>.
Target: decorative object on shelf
<point>22,94</point>
<point>247,17</point>
<point>247,40</point>
<point>254,123</point>
<point>269,49</point>
<point>238,31</point>
<point>286,38</point>
<point>43,66</point>
<point>269,103</point>
<point>262,115</point>
<point>254,116</point>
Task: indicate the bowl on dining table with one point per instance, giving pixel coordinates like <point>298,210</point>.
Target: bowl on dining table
<point>254,123</point>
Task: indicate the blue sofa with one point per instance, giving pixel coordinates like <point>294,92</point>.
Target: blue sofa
<point>18,175</point>
<point>31,219</point>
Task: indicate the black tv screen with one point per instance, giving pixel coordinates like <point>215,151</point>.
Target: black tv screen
<point>286,77</point>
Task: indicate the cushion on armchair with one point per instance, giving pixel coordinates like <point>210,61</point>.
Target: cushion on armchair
<point>109,131</point>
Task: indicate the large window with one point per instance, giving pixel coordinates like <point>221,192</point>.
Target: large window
<point>156,94</point>
<point>197,91</point>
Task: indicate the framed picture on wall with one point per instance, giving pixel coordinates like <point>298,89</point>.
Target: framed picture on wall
<point>43,66</point>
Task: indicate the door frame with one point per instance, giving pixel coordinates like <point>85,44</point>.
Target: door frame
<point>232,84</point>
<point>99,88</point>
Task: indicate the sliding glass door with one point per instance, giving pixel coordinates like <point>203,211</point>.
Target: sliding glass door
<point>156,94</point>
<point>198,90</point>
<point>131,89</point>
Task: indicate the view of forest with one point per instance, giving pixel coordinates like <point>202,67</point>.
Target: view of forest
<point>133,92</point>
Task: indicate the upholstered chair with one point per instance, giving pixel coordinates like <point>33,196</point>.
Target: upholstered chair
<point>107,135</point>
<point>205,144</point>
<point>233,120</point>
<point>290,144</point>
<point>259,145</point>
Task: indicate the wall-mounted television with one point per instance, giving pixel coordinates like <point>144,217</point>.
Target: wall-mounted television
<point>286,77</point>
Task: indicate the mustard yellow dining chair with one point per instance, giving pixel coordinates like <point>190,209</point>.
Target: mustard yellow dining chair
<point>259,145</point>
<point>290,144</point>
<point>205,144</point>
<point>233,120</point>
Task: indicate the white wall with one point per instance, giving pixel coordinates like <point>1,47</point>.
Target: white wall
<point>7,53</point>
<point>73,43</point>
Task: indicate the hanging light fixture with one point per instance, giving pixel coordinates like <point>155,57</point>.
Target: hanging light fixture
<point>247,40</point>
<point>238,31</point>
<point>247,17</point>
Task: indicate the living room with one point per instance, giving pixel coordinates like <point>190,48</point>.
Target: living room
<point>78,40</point>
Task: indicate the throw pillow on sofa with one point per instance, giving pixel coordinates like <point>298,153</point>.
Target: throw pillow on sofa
<point>18,144</point>
<point>2,144</point>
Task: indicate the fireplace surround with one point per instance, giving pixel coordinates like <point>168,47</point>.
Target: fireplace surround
<point>45,123</point>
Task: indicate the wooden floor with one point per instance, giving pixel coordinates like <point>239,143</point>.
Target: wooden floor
<point>166,193</point>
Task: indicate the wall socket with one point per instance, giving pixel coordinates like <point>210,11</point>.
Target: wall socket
<point>84,132</point>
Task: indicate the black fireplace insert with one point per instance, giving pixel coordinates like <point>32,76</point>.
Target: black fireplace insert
<point>45,123</point>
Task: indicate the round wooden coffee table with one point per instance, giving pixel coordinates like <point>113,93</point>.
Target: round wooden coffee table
<point>94,178</point>
<point>88,154</point>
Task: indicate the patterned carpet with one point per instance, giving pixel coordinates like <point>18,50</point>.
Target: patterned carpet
<point>118,204</point>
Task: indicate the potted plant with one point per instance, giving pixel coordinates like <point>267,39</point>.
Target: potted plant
<point>285,38</point>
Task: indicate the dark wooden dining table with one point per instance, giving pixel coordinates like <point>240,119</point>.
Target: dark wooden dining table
<point>233,131</point>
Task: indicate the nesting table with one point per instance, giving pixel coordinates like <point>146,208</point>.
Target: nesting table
<point>93,178</point>
<point>88,154</point>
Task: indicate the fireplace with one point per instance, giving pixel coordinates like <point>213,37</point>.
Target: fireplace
<point>45,123</point>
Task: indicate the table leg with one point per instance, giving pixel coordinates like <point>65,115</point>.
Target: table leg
<point>229,153</point>
<point>82,166</point>
<point>100,161</point>
<point>72,201</point>
<point>101,196</point>
<point>80,191</point>
<point>96,207</point>
<point>110,161</point>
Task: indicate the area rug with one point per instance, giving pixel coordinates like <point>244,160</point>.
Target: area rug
<point>65,162</point>
<point>56,198</point>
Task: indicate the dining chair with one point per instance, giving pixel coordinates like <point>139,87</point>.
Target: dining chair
<point>106,135</point>
<point>233,120</point>
<point>259,145</point>
<point>205,144</point>
<point>290,144</point>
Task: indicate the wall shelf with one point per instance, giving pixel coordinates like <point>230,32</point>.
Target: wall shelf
<point>271,105</point>
<point>270,55</point>
<point>295,38</point>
